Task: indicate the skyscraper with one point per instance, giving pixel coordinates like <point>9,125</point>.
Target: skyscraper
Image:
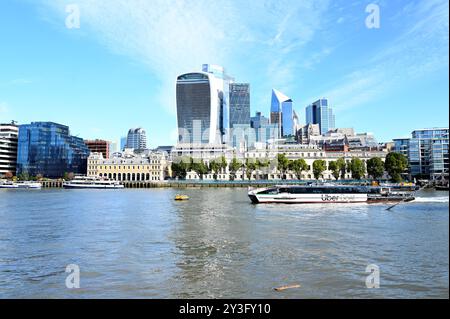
<point>203,106</point>
<point>282,113</point>
<point>48,149</point>
<point>258,120</point>
<point>137,139</point>
<point>321,113</point>
<point>239,104</point>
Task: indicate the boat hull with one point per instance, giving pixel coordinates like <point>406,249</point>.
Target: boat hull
<point>308,199</point>
<point>93,187</point>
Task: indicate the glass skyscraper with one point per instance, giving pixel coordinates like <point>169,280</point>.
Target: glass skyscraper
<point>203,112</point>
<point>239,104</point>
<point>282,114</point>
<point>321,113</point>
<point>48,149</point>
<point>137,139</point>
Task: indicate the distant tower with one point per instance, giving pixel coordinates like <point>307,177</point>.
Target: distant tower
<point>321,113</point>
<point>137,139</point>
<point>282,113</point>
<point>239,104</point>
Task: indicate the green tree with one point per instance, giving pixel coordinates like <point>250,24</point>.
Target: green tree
<point>250,167</point>
<point>395,165</point>
<point>342,165</point>
<point>283,165</point>
<point>375,167</point>
<point>180,167</point>
<point>223,163</point>
<point>319,166</point>
<point>215,166</point>
<point>24,176</point>
<point>200,168</point>
<point>333,166</point>
<point>357,168</point>
<point>298,166</point>
<point>235,165</point>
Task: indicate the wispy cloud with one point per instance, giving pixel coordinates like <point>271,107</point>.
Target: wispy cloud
<point>171,37</point>
<point>422,48</point>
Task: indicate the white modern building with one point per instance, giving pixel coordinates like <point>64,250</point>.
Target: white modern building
<point>8,148</point>
<point>137,139</point>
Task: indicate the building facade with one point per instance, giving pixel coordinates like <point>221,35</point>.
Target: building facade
<point>239,104</point>
<point>99,146</point>
<point>137,139</point>
<point>258,120</point>
<point>48,149</point>
<point>130,167</point>
<point>8,148</point>
<point>321,113</point>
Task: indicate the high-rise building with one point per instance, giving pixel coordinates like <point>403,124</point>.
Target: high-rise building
<point>99,146</point>
<point>282,113</point>
<point>258,120</point>
<point>239,104</point>
<point>137,139</point>
<point>48,149</point>
<point>321,113</point>
<point>8,148</point>
<point>123,143</point>
<point>203,106</point>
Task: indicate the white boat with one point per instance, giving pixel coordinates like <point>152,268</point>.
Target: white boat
<point>29,185</point>
<point>8,184</point>
<point>330,194</point>
<point>83,182</point>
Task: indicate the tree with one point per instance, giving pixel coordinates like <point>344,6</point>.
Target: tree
<point>181,167</point>
<point>200,168</point>
<point>298,166</point>
<point>250,167</point>
<point>375,167</point>
<point>342,165</point>
<point>333,166</point>
<point>283,165</point>
<point>215,166</point>
<point>319,166</point>
<point>235,165</point>
<point>68,176</point>
<point>357,168</point>
<point>395,165</point>
<point>223,163</point>
<point>24,176</point>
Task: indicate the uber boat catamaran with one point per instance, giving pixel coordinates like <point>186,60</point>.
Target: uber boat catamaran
<point>82,182</point>
<point>331,194</point>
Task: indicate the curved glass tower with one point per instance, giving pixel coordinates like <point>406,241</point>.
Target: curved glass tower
<point>282,113</point>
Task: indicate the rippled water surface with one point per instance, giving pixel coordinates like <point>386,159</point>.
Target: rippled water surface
<point>142,244</point>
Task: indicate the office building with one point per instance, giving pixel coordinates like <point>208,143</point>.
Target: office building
<point>137,139</point>
<point>48,149</point>
<point>282,114</point>
<point>305,133</point>
<point>99,146</point>
<point>203,113</point>
<point>8,148</point>
<point>239,104</point>
<point>258,120</point>
<point>321,113</point>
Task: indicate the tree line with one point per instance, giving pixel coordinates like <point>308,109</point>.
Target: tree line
<point>395,164</point>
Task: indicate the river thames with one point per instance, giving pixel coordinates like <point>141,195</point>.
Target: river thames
<point>143,244</point>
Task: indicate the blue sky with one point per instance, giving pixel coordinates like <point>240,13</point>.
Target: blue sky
<point>118,69</point>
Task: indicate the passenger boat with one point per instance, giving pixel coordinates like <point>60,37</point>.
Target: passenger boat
<point>29,185</point>
<point>326,194</point>
<point>8,184</point>
<point>82,182</point>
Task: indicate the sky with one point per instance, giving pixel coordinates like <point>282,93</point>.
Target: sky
<point>117,69</point>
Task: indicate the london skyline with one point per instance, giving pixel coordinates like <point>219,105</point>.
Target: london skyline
<point>102,79</point>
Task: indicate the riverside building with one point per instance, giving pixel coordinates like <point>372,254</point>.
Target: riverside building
<point>99,146</point>
<point>8,148</point>
<point>128,166</point>
<point>48,149</point>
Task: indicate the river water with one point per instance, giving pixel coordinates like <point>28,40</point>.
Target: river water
<point>143,244</point>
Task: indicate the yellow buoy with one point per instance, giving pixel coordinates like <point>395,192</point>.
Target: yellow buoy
<point>181,197</point>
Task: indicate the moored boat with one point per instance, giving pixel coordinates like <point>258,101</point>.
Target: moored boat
<point>8,184</point>
<point>82,182</point>
<point>29,185</point>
